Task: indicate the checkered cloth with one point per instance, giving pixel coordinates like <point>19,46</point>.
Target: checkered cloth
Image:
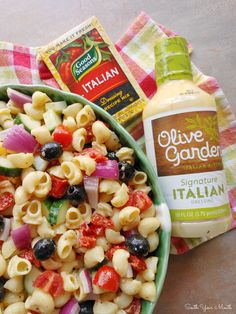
<point>20,65</point>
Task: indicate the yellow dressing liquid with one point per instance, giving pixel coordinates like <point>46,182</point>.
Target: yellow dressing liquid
<point>173,99</point>
<point>182,143</point>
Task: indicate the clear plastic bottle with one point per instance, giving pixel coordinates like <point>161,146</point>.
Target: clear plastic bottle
<point>182,143</point>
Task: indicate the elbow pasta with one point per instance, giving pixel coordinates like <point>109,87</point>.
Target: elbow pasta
<point>15,284</point>
<point>45,230</point>
<point>73,218</point>
<point>72,172</point>
<point>57,172</point>
<point>114,237</point>
<point>70,282</point>
<point>101,132</point>
<point>80,295</point>
<point>130,286</point>
<point>123,300</point>
<point>8,248</point>
<point>121,196</point>
<point>86,212</point>
<point>140,177</point>
<point>113,142</point>
<point>103,242</point>
<point>79,139</point>
<point>62,299</point>
<point>39,99</point>
<point>65,244</point>
<point>72,110</point>
<point>18,266</point>
<point>19,210</point>
<point>15,308</point>
<point>21,196</point>
<point>66,156</point>
<point>109,186</point>
<point>149,273</point>
<point>6,120</point>
<point>50,264</point>
<point>128,215</point>
<point>85,163</point>
<point>105,307</point>
<point>148,291</point>
<point>153,240</point>
<point>37,183</point>
<point>40,301</point>
<point>33,215</point>
<point>120,262</point>
<point>148,225</point>
<point>12,298</point>
<point>100,147</point>
<point>93,256</point>
<point>68,266</point>
<point>42,134</point>
<point>50,197</point>
<point>125,154</point>
<point>104,209</point>
<point>35,113</point>
<point>70,124</point>
<point>85,116</point>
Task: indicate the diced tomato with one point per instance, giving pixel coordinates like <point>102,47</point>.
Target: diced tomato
<point>62,135</point>
<point>89,135</point>
<point>137,263</point>
<point>134,307</point>
<point>84,229</point>
<point>93,153</point>
<point>107,278</point>
<point>91,230</point>
<point>28,254</point>
<point>139,199</point>
<point>111,251</point>
<point>51,282</point>
<point>59,187</point>
<point>97,231</point>
<point>87,241</point>
<point>6,201</point>
<point>101,221</point>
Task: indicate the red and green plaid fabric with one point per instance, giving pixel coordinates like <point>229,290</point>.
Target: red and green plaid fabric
<point>19,64</point>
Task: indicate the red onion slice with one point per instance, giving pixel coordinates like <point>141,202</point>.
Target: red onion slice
<point>71,307</point>
<point>19,140</point>
<point>18,98</point>
<point>107,169</point>
<point>91,188</point>
<point>22,237</point>
<point>86,281</point>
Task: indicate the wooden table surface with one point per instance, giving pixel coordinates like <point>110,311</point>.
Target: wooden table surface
<point>206,275</point>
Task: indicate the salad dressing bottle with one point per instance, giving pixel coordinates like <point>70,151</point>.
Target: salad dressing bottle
<point>182,143</point>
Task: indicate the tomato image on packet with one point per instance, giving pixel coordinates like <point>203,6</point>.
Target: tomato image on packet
<point>84,61</point>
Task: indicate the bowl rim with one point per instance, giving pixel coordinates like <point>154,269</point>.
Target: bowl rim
<point>165,233</point>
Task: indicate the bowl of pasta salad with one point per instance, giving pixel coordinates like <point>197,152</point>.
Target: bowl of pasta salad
<point>84,227</point>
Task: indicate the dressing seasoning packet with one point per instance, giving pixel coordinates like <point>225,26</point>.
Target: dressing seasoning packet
<point>84,61</point>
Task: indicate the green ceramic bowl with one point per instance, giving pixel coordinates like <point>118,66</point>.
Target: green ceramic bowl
<point>162,209</point>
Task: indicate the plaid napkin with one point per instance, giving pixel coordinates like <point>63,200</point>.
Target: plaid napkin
<point>19,64</point>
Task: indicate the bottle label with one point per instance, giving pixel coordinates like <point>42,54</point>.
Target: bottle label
<point>183,146</point>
